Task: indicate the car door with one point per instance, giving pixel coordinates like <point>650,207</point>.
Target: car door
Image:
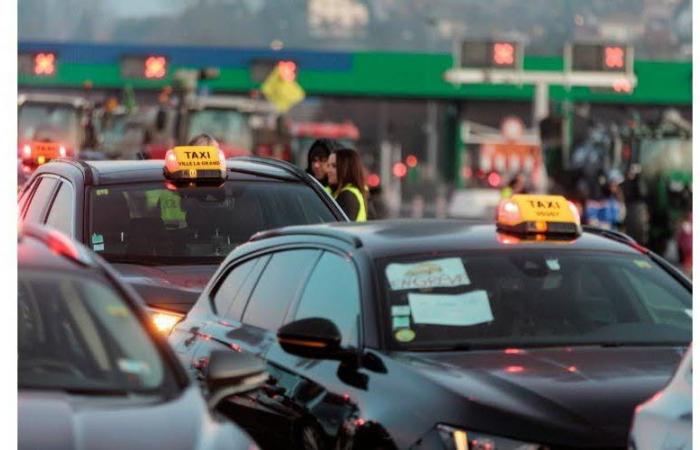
<point>250,301</point>
<point>322,391</point>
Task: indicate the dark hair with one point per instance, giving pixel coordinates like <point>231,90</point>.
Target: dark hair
<point>321,149</point>
<point>350,169</point>
<point>203,139</point>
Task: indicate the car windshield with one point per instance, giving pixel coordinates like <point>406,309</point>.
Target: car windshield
<point>533,298</point>
<point>48,122</point>
<point>77,334</point>
<point>146,223</point>
<point>228,126</point>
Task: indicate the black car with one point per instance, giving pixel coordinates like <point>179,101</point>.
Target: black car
<point>168,238</point>
<point>91,374</point>
<point>443,335</point>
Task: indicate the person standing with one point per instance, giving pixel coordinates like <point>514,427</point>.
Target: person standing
<point>317,160</point>
<point>347,175</point>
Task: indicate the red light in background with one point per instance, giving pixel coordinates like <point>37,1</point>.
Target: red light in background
<point>614,57</point>
<point>287,70</point>
<point>373,180</point>
<point>399,170</point>
<point>467,172</point>
<point>411,161</point>
<point>494,179</point>
<point>45,64</point>
<point>512,351</point>
<point>155,67</point>
<point>514,369</point>
<point>503,53</point>
<point>572,369</point>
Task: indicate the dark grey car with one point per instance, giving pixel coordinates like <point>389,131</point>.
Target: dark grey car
<point>92,375</point>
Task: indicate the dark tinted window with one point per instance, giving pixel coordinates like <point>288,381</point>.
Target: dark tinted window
<point>277,287</point>
<point>233,291</point>
<point>61,215</point>
<point>332,292</point>
<point>40,199</point>
<point>76,332</point>
<point>535,297</point>
<point>195,225</point>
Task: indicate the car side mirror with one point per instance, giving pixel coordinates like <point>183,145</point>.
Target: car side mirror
<point>313,338</point>
<point>230,373</point>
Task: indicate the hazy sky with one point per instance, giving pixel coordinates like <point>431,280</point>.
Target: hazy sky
<point>141,8</point>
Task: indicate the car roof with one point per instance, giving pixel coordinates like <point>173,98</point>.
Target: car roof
<point>33,252</point>
<point>109,172</point>
<point>384,238</point>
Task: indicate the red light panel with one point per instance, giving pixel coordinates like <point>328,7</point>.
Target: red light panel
<point>45,64</point>
<point>503,54</point>
<point>287,70</point>
<point>494,179</point>
<point>614,57</point>
<point>155,67</point>
<point>411,161</point>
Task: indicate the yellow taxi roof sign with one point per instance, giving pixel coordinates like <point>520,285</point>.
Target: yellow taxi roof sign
<point>538,214</point>
<point>195,162</point>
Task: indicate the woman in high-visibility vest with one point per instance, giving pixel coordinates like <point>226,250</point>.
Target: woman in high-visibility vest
<point>346,173</point>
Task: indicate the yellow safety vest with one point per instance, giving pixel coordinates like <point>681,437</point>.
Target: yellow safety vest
<point>362,213</point>
<point>328,190</point>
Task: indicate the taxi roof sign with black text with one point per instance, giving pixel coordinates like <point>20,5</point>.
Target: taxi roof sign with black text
<point>195,163</point>
<point>538,214</point>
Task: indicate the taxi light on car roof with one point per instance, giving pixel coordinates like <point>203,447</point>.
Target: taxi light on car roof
<point>193,163</point>
<point>538,214</point>
<point>165,321</point>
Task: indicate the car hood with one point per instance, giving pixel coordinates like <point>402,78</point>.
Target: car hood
<point>174,288</point>
<point>558,393</point>
<point>53,420</point>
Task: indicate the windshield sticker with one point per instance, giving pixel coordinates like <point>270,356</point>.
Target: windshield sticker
<point>405,335</point>
<point>447,272</point>
<point>133,366</point>
<point>471,308</point>
<point>400,322</point>
<point>101,192</point>
<point>401,310</point>
<point>642,264</point>
<point>98,242</point>
<point>553,264</point>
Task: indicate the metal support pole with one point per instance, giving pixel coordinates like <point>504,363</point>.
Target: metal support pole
<point>540,105</point>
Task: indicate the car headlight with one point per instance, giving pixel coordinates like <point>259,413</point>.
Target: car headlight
<point>457,439</point>
<point>165,321</point>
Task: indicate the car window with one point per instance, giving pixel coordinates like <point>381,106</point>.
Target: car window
<point>40,199</point>
<point>76,332</point>
<point>278,285</point>
<point>332,293</point>
<point>232,293</point>
<point>25,195</point>
<point>147,222</point>
<point>533,298</point>
<point>61,214</point>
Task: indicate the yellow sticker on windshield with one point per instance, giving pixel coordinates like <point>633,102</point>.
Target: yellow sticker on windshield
<point>405,335</point>
<point>117,311</point>
<point>642,264</point>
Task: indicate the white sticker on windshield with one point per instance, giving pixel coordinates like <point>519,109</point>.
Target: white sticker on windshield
<point>464,309</point>
<point>447,272</point>
<point>133,366</point>
<point>400,310</point>
<point>553,264</point>
<point>400,322</point>
<point>98,247</point>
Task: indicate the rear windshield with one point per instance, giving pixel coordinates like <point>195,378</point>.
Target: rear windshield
<point>149,223</point>
<point>78,334</point>
<point>533,298</point>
